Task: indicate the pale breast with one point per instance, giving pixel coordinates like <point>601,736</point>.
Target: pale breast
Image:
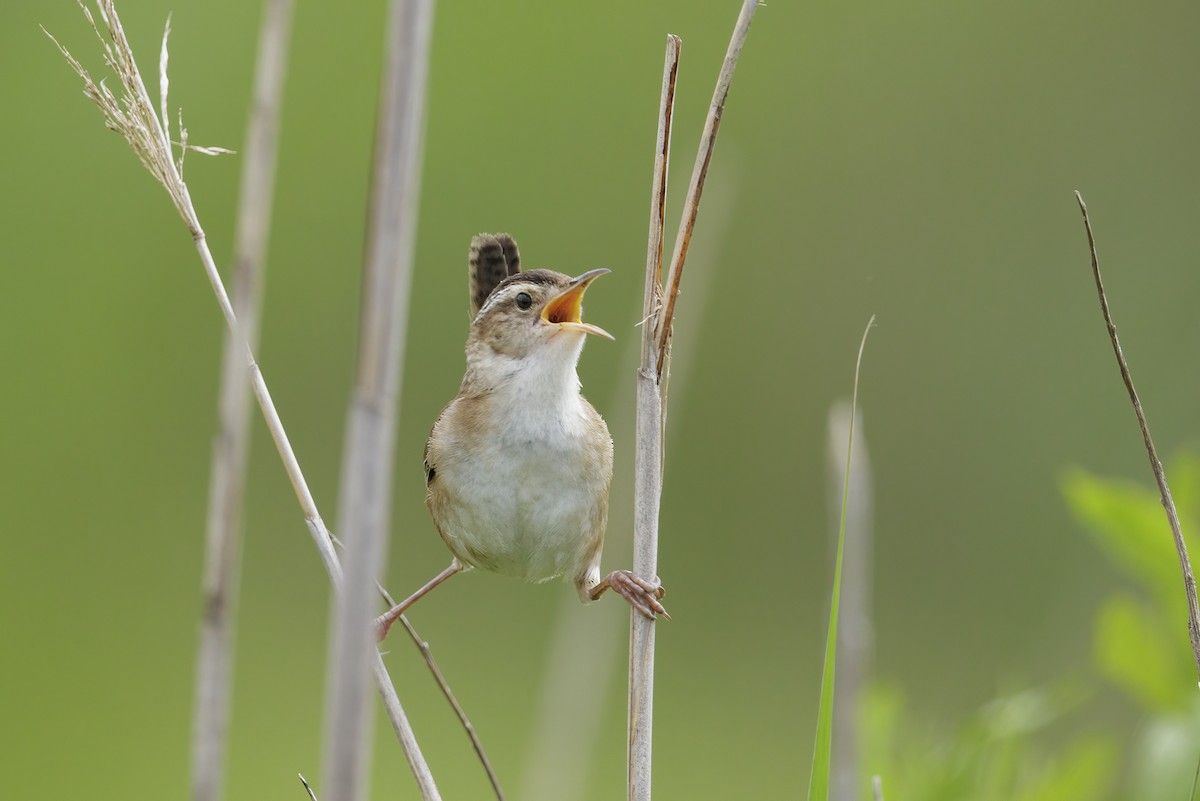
<point>526,498</point>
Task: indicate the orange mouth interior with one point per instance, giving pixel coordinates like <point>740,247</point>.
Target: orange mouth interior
<point>566,309</point>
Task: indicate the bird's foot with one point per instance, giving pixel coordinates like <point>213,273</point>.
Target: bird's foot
<point>384,622</point>
<point>642,595</point>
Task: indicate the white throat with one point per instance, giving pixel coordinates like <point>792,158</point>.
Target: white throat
<point>536,394</point>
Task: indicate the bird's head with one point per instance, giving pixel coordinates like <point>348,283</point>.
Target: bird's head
<point>533,310</point>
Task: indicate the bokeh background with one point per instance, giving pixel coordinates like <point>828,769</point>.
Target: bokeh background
<point>914,161</point>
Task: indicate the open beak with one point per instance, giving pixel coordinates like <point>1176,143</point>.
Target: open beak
<point>564,309</point>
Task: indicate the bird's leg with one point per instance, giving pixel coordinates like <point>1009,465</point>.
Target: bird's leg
<point>644,596</point>
<point>384,622</point>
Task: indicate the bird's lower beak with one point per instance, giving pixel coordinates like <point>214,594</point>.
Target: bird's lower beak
<point>564,309</point>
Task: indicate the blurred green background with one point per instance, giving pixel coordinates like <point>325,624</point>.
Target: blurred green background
<point>913,161</point>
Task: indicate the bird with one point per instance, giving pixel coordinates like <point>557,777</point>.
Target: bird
<point>518,466</point>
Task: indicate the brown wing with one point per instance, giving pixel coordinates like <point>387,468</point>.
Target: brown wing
<point>427,457</point>
<point>493,258</point>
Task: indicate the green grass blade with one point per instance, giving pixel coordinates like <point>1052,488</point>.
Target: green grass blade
<point>818,785</point>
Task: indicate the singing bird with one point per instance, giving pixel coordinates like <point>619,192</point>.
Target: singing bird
<point>518,465</point>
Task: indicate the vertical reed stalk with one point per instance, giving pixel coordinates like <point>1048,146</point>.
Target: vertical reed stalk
<point>658,312</point>
<point>647,488</point>
<point>368,456</point>
<point>231,445</point>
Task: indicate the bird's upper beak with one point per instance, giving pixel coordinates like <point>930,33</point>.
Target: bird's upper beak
<point>564,309</point>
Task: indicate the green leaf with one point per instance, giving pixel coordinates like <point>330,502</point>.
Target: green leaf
<point>818,783</point>
<point>1083,773</point>
<point>997,755</point>
<point>1133,650</point>
<point>1128,523</point>
<point>818,786</point>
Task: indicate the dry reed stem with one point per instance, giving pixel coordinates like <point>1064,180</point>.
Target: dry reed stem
<point>369,450</point>
<point>307,789</point>
<point>854,620</point>
<point>648,455</point>
<point>1160,476</point>
<point>658,312</point>
<point>691,206</point>
<point>652,298</point>
<point>877,788</point>
<point>134,117</point>
<point>444,686</point>
<point>231,444</point>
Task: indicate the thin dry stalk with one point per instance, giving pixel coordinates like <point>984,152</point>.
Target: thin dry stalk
<point>307,789</point>
<point>854,620</point>
<point>1160,476</point>
<point>134,117</point>
<point>232,443</point>
<point>691,206</point>
<point>647,491</point>
<point>658,312</point>
<point>652,301</point>
<point>877,788</point>
<point>444,685</point>
<point>369,450</point>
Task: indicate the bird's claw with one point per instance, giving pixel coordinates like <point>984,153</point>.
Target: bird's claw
<point>642,595</point>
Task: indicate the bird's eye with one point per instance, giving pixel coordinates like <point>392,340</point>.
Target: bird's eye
<point>524,301</point>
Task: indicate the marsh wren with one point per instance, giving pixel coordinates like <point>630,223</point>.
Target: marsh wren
<point>518,465</point>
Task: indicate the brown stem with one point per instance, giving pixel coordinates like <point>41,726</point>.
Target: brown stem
<point>1160,476</point>
<point>691,206</point>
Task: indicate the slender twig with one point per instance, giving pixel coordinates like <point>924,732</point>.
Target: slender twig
<point>877,787</point>
<point>444,685</point>
<point>231,446</point>
<point>854,625</point>
<point>1160,476</point>
<point>134,117</point>
<point>308,789</point>
<point>657,311</point>
<point>368,455</point>
<point>691,206</point>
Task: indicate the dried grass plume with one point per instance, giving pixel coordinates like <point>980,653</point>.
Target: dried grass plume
<point>132,114</point>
